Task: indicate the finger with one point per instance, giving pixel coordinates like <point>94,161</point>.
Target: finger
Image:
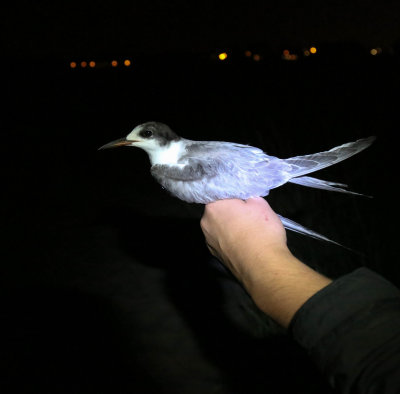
<point>213,251</point>
<point>256,200</point>
<point>262,203</point>
<point>225,203</point>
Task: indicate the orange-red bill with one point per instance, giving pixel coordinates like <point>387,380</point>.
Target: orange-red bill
<point>117,143</point>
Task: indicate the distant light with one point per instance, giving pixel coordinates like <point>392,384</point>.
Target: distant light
<point>127,62</point>
<point>73,64</point>
<point>222,56</point>
<point>313,50</point>
<point>114,63</point>
<point>256,57</point>
<point>306,53</point>
<point>83,64</point>
<point>286,55</point>
<point>92,64</point>
<point>247,53</point>
<point>375,51</point>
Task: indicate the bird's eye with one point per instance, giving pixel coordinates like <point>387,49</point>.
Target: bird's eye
<point>146,133</point>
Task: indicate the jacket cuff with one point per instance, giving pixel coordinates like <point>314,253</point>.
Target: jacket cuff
<point>348,326</point>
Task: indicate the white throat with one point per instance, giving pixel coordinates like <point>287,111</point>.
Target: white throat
<point>168,154</point>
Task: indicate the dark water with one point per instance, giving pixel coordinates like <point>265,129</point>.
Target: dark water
<point>107,286</point>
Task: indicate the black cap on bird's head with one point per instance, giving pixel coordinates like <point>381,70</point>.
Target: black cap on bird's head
<point>148,136</point>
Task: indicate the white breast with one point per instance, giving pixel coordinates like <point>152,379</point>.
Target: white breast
<point>167,155</point>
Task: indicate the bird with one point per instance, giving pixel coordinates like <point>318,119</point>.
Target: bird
<point>206,171</point>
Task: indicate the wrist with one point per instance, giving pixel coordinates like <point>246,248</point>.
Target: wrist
<point>281,284</point>
<point>257,259</point>
<point>263,266</point>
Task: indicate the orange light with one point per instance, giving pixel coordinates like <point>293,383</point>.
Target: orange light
<point>114,63</point>
<point>222,56</point>
<point>289,56</point>
<point>127,62</point>
<point>256,57</point>
<point>247,53</point>
<point>73,64</point>
<point>373,51</point>
<point>83,64</point>
<point>92,64</point>
<point>313,50</point>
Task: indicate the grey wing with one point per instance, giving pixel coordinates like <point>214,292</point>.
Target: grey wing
<point>188,182</point>
<point>301,165</point>
<point>211,171</point>
<point>244,166</point>
<point>194,171</point>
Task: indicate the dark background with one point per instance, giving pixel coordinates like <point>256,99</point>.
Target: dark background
<point>106,283</point>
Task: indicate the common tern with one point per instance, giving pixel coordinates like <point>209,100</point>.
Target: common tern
<point>206,171</point>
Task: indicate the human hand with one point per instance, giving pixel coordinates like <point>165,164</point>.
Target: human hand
<point>249,238</point>
<point>237,232</point>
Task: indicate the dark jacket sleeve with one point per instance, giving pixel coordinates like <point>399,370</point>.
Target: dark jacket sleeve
<point>351,329</point>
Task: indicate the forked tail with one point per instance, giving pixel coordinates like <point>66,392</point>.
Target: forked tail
<point>302,165</point>
<point>325,185</point>
<point>298,228</point>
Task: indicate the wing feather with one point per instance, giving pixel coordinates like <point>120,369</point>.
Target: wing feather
<point>301,165</point>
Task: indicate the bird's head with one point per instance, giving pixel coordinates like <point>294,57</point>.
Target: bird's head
<point>149,136</point>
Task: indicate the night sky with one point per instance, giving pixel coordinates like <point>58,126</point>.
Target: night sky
<point>106,285</point>
<point>97,28</point>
